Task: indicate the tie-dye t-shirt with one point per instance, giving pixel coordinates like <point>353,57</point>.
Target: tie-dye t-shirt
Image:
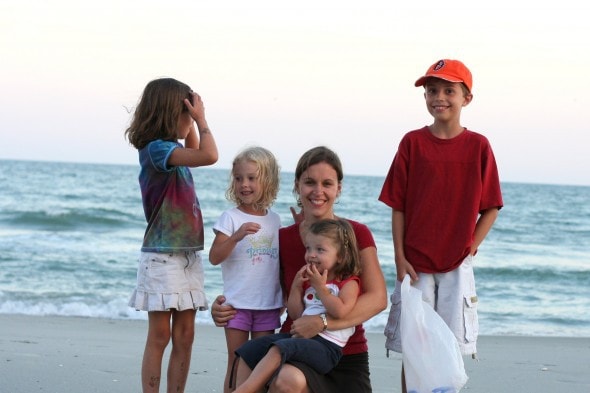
<point>170,203</point>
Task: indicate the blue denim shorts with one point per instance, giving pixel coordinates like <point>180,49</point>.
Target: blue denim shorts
<point>317,352</point>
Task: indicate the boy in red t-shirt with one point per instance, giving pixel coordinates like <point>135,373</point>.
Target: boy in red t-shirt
<point>444,191</point>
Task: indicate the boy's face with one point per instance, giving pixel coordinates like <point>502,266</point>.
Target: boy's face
<point>444,99</point>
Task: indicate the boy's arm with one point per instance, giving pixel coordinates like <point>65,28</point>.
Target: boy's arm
<point>402,266</point>
<point>482,227</point>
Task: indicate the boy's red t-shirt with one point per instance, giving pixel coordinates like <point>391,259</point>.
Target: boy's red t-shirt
<point>441,185</point>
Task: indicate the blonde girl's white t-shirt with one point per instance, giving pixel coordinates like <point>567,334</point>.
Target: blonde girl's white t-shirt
<point>251,272</point>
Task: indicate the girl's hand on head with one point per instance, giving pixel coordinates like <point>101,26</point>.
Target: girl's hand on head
<point>195,106</point>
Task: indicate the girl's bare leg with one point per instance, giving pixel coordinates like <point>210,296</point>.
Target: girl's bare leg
<point>234,339</point>
<point>261,373</point>
<point>242,372</point>
<point>157,339</point>
<point>183,335</point>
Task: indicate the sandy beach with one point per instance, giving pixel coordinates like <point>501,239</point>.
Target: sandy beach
<point>71,354</point>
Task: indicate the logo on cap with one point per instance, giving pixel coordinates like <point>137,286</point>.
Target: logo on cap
<point>439,65</point>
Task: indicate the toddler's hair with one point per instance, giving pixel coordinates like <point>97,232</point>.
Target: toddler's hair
<point>156,115</point>
<point>341,232</point>
<point>268,175</point>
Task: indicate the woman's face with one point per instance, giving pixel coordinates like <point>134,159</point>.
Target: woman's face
<point>318,187</point>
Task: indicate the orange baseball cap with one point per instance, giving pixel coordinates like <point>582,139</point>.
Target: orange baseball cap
<point>449,70</point>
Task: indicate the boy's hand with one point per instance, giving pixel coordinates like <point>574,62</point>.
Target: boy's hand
<point>404,267</point>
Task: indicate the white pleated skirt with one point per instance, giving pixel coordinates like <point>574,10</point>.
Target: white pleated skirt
<point>169,281</point>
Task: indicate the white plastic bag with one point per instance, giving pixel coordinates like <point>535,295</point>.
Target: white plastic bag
<point>431,356</point>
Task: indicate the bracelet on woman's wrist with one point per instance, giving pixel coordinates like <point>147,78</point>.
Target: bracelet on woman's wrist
<point>325,321</point>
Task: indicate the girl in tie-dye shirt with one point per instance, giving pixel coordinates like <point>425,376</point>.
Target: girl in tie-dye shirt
<point>170,280</point>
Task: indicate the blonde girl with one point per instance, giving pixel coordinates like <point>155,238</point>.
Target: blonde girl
<point>246,245</point>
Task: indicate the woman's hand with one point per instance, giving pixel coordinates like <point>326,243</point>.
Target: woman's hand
<point>307,326</point>
<point>221,313</point>
<point>297,217</point>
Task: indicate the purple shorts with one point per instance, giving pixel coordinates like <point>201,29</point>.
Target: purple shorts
<point>255,320</point>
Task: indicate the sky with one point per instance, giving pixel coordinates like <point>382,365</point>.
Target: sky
<point>292,75</point>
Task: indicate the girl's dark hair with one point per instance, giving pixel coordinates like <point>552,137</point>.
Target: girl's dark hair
<point>341,232</point>
<point>156,115</point>
<point>314,156</point>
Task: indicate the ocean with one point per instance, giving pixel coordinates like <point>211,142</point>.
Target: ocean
<point>71,235</point>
